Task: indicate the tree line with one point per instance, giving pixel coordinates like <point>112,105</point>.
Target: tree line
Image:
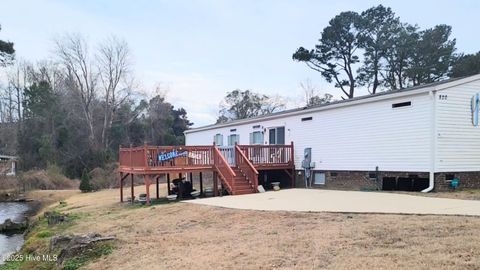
<point>374,49</point>
<point>76,108</point>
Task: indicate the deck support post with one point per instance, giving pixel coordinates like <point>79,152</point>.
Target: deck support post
<point>200,176</point>
<point>147,187</point>
<point>132,189</point>
<point>121,187</point>
<point>293,178</point>
<point>158,195</point>
<point>293,164</point>
<point>169,192</point>
<point>122,178</point>
<point>215,184</point>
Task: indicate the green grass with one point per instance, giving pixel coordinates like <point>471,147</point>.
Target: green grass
<point>98,251</point>
<point>11,265</point>
<point>44,234</point>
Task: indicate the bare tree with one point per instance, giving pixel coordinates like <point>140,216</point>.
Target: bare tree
<point>72,50</point>
<point>309,91</point>
<point>114,71</point>
<point>49,72</point>
<point>312,95</point>
<point>18,77</point>
<point>273,104</point>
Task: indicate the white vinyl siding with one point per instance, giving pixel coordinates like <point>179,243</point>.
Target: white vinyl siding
<point>457,141</point>
<point>357,137</point>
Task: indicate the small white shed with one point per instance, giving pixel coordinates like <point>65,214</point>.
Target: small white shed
<point>8,165</point>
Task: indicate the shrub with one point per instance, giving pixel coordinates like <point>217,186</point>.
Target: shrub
<point>85,182</point>
<point>49,179</point>
<point>106,177</point>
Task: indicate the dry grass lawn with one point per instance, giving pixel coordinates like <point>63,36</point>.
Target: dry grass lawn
<point>180,236</point>
<point>462,194</point>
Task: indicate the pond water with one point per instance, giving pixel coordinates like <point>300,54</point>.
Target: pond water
<point>11,243</point>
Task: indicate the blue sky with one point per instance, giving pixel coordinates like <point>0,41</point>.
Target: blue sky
<point>199,50</point>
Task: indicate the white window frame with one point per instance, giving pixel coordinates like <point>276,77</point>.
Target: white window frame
<point>218,139</point>
<point>236,140</point>
<point>252,137</point>
<point>276,134</point>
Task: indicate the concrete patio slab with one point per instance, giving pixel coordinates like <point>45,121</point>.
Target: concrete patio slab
<point>315,200</point>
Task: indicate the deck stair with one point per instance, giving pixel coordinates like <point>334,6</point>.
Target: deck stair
<point>238,177</point>
<point>242,185</point>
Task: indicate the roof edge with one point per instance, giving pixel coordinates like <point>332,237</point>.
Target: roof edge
<point>437,86</point>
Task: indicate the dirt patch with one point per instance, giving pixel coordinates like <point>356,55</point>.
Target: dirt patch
<point>180,235</point>
<point>42,199</point>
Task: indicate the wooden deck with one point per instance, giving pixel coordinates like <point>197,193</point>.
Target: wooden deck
<point>236,166</point>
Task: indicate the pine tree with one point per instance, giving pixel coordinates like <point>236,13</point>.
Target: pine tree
<point>85,182</point>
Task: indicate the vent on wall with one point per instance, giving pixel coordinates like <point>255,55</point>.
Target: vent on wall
<point>256,126</point>
<point>307,118</point>
<point>402,104</point>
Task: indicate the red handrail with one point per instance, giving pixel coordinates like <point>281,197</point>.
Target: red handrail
<point>223,169</point>
<point>247,167</point>
<point>268,154</point>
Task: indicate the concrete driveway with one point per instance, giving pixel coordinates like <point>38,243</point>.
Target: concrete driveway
<point>315,200</point>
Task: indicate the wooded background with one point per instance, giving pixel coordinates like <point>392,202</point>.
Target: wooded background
<point>75,108</point>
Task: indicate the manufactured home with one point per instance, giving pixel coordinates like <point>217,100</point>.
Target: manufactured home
<point>418,139</point>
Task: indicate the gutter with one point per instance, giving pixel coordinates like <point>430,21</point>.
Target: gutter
<point>433,142</point>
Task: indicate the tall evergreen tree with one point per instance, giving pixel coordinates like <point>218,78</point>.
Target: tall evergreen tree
<point>375,29</point>
<point>432,55</point>
<point>465,65</point>
<point>335,55</point>
<point>7,52</point>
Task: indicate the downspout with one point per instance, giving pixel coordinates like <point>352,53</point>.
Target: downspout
<point>433,142</point>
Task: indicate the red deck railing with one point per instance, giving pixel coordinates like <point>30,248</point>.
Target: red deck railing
<point>199,157</point>
<point>247,167</point>
<point>223,168</point>
<point>269,155</point>
<point>166,157</point>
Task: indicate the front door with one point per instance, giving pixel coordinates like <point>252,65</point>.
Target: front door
<point>276,135</point>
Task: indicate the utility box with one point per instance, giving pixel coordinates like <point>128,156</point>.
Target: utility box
<point>307,158</point>
<point>307,165</point>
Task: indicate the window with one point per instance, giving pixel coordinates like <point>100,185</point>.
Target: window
<point>256,137</point>
<point>276,135</point>
<point>233,139</point>
<point>402,104</point>
<point>218,139</point>
<point>307,119</point>
<point>319,178</point>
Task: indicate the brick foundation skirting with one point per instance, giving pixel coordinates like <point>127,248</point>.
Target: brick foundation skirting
<point>367,180</point>
<point>466,180</point>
